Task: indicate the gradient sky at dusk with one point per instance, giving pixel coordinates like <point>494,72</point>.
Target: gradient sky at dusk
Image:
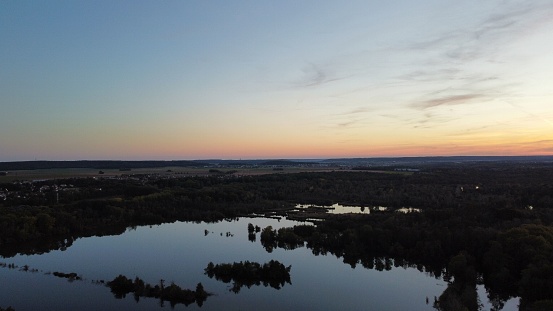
<point>274,79</point>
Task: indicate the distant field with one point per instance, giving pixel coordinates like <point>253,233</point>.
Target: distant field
<point>175,171</point>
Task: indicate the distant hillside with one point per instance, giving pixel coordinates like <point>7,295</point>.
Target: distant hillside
<point>36,165</point>
<point>284,163</point>
<point>257,162</point>
<point>402,161</point>
<point>357,162</point>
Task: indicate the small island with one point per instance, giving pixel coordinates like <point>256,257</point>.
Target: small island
<point>246,273</point>
<point>121,286</point>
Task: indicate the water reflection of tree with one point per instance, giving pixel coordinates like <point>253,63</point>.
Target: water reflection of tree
<point>252,232</point>
<point>273,274</point>
<point>252,237</point>
<point>283,238</point>
<point>460,293</point>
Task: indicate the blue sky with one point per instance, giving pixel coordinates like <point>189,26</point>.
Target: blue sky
<point>265,79</point>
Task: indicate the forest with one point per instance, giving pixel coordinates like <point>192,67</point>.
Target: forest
<point>479,223</point>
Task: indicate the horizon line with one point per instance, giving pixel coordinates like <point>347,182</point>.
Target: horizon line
<point>292,158</point>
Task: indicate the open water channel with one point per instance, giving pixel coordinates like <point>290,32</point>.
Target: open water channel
<point>179,252</point>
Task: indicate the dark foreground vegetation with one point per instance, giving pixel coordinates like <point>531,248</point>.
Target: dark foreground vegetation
<point>484,223</point>
<point>273,274</point>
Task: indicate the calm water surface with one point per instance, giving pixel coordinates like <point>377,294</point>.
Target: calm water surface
<point>179,252</point>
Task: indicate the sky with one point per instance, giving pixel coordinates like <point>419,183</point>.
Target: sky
<point>170,80</point>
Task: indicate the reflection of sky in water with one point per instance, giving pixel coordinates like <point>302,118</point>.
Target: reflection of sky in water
<point>179,252</point>
<point>406,210</point>
<point>339,209</point>
<point>346,209</point>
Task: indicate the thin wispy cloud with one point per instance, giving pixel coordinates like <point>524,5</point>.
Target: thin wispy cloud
<point>498,28</point>
<point>314,75</point>
<point>471,131</point>
<point>449,100</point>
<point>346,121</point>
<point>469,49</point>
<point>533,115</point>
<point>317,75</point>
<point>431,120</point>
<point>355,111</point>
<point>431,75</point>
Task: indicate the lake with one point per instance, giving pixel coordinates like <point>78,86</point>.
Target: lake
<point>179,252</point>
